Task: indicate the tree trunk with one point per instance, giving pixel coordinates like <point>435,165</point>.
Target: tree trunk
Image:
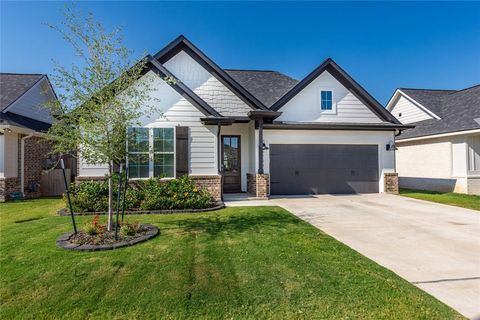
<point>110,196</point>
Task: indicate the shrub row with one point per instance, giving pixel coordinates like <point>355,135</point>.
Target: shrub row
<point>151,194</point>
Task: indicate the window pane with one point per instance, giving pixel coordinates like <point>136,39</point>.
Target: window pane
<point>163,165</point>
<point>138,139</point>
<point>138,165</point>
<point>326,100</point>
<point>163,140</point>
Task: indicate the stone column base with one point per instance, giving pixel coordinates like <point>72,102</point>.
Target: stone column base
<point>7,186</point>
<point>212,184</point>
<point>258,185</point>
<point>390,181</point>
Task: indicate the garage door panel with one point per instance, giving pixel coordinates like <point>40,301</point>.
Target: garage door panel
<point>317,169</point>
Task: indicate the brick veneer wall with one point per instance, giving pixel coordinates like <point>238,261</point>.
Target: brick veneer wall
<point>7,186</point>
<point>212,184</point>
<point>36,152</point>
<point>258,185</point>
<point>391,182</point>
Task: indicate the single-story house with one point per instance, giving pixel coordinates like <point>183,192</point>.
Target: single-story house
<point>261,132</point>
<point>442,152</point>
<point>22,122</point>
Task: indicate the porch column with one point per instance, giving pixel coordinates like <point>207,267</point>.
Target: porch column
<point>260,146</point>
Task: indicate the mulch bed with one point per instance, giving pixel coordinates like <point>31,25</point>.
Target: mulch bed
<point>66,212</point>
<point>84,242</point>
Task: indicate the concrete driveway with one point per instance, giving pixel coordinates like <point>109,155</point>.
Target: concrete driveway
<point>434,246</point>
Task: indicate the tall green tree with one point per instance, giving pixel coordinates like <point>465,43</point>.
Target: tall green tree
<point>99,96</point>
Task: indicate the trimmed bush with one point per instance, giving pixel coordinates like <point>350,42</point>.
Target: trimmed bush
<point>150,194</point>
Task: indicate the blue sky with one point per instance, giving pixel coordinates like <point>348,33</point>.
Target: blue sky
<point>383,45</point>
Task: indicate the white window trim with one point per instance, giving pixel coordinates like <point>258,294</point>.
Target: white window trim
<point>151,152</point>
<point>334,104</point>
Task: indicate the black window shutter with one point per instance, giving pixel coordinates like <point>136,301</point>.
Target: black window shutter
<point>181,152</point>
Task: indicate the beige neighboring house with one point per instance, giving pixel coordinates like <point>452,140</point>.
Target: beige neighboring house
<point>442,152</point>
<point>23,152</point>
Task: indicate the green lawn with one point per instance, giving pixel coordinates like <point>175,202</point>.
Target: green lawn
<point>237,263</point>
<point>455,199</point>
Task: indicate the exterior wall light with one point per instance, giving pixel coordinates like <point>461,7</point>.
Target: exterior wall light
<point>391,146</point>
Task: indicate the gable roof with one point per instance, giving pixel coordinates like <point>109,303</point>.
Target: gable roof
<point>15,85</point>
<point>458,111</point>
<point>182,43</point>
<point>347,81</point>
<point>182,89</point>
<point>267,86</point>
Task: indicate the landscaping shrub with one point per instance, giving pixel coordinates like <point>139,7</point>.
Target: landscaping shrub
<point>150,194</point>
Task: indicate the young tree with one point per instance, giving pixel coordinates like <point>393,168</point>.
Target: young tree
<point>98,97</point>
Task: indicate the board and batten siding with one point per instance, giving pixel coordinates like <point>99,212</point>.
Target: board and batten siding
<point>31,104</point>
<point>206,86</point>
<point>407,112</point>
<point>175,111</point>
<point>305,106</point>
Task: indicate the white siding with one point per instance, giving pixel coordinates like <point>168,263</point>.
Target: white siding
<point>174,111</point>
<point>407,112</point>
<point>10,157</point>
<point>206,86</point>
<point>386,160</point>
<point>305,106</point>
<point>31,103</point>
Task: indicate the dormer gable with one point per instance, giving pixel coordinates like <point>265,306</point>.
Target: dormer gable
<point>408,110</point>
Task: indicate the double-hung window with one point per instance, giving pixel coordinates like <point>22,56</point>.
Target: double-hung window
<point>151,152</point>
<point>326,101</point>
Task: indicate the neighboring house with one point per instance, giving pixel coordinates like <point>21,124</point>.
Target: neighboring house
<point>22,121</point>
<point>261,131</point>
<point>442,152</point>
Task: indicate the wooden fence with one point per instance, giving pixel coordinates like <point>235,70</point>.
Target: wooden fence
<point>51,182</point>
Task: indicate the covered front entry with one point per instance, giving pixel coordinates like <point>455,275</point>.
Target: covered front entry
<point>323,168</point>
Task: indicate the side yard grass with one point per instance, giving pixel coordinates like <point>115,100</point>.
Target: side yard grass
<point>455,199</point>
<point>236,263</point>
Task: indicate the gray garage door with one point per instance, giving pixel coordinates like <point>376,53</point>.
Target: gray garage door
<point>323,168</point>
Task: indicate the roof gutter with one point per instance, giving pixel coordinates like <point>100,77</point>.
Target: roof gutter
<point>440,135</point>
<point>343,126</point>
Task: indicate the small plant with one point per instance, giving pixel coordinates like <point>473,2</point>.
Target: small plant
<point>93,228</point>
<point>90,229</point>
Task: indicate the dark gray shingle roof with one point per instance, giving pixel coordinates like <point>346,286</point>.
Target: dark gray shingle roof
<point>266,86</point>
<point>13,85</point>
<point>12,119</point>
<point>458,110</point>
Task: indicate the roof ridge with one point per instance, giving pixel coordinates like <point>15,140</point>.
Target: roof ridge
<point>247,70</point>
<point>420,89</point>
<point>24,74</point>
<point>464,89</point>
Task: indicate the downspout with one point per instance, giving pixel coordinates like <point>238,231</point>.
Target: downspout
<point>22,162</point>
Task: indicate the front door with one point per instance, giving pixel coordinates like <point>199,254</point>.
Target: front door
<point>231,164</point>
